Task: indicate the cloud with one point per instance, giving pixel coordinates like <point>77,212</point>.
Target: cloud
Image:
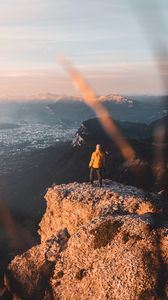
<point>25,74</point>
<point>49,11</point>
<point>139,77</point>
<point>103,38</point>
<point>43,34</point>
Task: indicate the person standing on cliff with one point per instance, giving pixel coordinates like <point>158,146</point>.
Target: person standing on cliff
<point>97,164</point>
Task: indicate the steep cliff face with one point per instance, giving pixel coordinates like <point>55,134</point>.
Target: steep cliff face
<point>96,243</point>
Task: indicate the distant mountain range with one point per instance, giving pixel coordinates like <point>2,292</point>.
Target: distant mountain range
<point>70,110</point>
<point>110,97</point>
<point>54,97</point>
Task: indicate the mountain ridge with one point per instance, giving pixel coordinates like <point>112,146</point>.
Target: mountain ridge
<point>56,97</point>
<point>91,130</point>
<point>70,110</point>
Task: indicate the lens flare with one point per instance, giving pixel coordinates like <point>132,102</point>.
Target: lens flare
<point>154,28</point>
<point>159,153</point>
<point>105,118</point>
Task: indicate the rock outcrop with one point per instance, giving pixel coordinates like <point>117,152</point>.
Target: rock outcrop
<point>96,243</point>
<point>91,131</point>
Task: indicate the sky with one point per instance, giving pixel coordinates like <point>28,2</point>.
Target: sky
<point>114,44</point>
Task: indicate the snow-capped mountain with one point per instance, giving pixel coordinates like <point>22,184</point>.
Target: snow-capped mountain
<point>118,99</point>
<point>52,108</point>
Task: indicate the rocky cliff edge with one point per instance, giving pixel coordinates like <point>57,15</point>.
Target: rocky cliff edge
<point>96,243</point>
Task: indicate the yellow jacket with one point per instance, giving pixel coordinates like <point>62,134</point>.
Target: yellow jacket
<point>97,159</point>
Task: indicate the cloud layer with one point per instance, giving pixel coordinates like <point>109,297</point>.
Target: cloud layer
<point>102,38</point>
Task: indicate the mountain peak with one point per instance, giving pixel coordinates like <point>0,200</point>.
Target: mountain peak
<point>119,99</point>
<point>56,97</point>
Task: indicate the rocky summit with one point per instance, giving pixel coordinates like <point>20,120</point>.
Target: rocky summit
<point>96,243</point>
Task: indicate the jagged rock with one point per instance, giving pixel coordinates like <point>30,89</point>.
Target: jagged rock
<point>29,273</point>
<point>72,205</point>
<point>114,246</point>
<point>111,258</point>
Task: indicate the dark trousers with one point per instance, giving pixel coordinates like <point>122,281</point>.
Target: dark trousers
<point>99,175</point>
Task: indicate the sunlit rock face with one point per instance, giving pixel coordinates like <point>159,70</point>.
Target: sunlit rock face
<point>72,205</point>
<point>96,243</point>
